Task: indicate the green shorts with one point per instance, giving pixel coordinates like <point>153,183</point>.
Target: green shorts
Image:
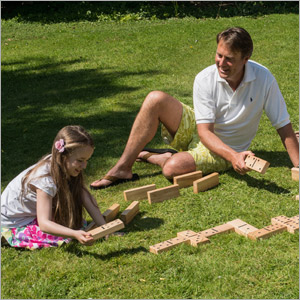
<point>187,139</point>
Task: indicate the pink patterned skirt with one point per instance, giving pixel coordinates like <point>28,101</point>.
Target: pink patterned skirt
<point>31,237</point>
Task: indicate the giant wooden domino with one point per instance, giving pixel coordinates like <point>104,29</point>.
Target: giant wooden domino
<point>241,227</point>
<point>266,231</point>
<point>279,224</point>
<point>257,164</point>
<point>187,179</point>
<point>106,229</point>
<point>206,183</point>
<point>130,212</point>
<point>111,213</point>
<point>139,193</point>
<point>163,194</point>
<point>295,174</point>
<point>292,224</point>
<point>166,245</point>
<point>193,238</point>
<point>90,226</point>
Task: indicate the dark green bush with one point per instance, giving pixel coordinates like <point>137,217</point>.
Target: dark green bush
<point>68,11</point>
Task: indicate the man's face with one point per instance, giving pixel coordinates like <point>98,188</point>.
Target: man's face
<point>230,64</point>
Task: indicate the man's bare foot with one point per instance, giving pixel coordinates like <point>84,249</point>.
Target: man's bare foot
<point>154,158</point>
<point>113,177</point>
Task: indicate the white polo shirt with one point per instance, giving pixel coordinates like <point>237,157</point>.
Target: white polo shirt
<point>236,114</point>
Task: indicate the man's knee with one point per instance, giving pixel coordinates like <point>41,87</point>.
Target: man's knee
<point>178,164</point>
<point>154,99</point>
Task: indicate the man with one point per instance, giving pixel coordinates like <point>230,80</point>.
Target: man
<point>229,99</point>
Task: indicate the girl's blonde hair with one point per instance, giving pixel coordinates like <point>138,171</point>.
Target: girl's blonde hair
<point>67,204</point>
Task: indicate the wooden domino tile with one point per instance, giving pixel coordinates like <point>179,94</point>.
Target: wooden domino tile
<point>90,226</point>
<point>291,224</point>
<point>111,213</point>
<point>106,229</point>
<point>224,228</point>
<point>163,194</point>
<point>198,239</point>
<point>241,227</point>
<point>130,212</point>
<point>257,164</point>
<point>208,232</point>
<point>186,234</point>
<point>139,193</point>
<point>166,245</point>
<point>266,232</point>
<point>295,174</point>
<point>295,218</point>
<point>187,179</point>
<point>206,183</point>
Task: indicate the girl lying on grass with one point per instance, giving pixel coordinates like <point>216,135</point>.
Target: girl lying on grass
<point>43,205</point>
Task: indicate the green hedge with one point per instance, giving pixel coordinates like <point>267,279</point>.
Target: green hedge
<point>69,11</point>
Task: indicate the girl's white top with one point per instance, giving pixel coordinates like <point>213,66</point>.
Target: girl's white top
<point>13,212</point>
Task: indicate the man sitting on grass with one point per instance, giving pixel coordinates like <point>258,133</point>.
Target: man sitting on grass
<point>229,99</point>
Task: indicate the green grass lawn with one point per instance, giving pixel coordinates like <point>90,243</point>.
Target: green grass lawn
<point>97,75</point>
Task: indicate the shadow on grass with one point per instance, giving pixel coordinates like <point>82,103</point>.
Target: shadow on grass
<point>73,248</point>
<point>42,95</point>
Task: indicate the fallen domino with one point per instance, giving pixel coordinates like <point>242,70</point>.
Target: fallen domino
<point>291,224</point>
<point>106,229</point>
<point>241,227</point>
<point>266,232</point>
<point>166,245</point>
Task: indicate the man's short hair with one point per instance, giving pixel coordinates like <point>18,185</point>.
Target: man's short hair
<point>237,39</point>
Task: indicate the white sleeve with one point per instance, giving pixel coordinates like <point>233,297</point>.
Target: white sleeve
<point>204,105</point>
<point>275,107</point>
<point>45,184</point>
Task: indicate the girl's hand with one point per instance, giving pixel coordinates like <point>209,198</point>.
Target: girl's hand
<point>83,237</point>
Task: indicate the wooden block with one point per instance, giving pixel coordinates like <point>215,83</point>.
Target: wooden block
<point>166,245</point>
<point>90,226</point>
<point>111,213</point>
<point>257,164</point>
<point>224,228</point>
<point>208,232</point>
<point>241,227</point>
<point>291,224</point>
<point>106,229</point>
<point>163,194</point>
<point>187,179</point>
<point>206,182</point>
<point>130,212</point>
<point>139,193</point>
<point>186,234</point>
<point>198,239</point>
<point>295,174</point>
<point>266,232</point>
<point>295,218</point>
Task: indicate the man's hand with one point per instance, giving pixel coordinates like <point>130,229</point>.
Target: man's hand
<point>238,162</point>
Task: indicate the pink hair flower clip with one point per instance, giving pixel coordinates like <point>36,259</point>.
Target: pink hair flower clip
<point>59,145</point>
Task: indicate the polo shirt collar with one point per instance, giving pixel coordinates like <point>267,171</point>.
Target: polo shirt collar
<point>249,74</point>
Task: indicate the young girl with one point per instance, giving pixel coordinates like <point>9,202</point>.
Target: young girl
<point>43,205</point>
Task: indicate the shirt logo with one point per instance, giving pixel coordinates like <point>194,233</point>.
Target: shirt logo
<point>251,99</point>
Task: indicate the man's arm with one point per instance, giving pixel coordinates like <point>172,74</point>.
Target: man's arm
<point>214,144</point>
<point>290,142</point>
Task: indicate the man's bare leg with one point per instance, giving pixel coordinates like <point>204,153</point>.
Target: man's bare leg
<point>157,107</point>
